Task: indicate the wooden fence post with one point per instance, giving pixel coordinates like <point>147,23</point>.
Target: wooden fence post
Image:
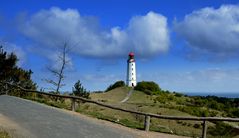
<point>146,122</point>
<point>204,129</point>
<point>73,104</point>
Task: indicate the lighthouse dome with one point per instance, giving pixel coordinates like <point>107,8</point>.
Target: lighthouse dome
<point>131,54</point>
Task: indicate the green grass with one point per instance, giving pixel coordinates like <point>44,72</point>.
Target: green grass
<point>139,101</point>
<point>65,104</point>
<point>163,104</point>
<point>113,96</point>
<point>4,134</point>
<point>115,116</point>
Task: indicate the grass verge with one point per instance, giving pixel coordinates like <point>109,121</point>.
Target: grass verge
<point>4,134</point>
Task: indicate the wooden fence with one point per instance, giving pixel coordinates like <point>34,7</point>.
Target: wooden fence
<point>148,116</point>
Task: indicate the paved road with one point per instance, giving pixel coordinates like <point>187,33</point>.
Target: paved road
<point>46,122</point>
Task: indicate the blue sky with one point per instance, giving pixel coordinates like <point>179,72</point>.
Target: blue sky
<point>184,46</point>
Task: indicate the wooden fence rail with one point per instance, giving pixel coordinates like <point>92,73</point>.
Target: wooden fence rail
<point>147,115</point>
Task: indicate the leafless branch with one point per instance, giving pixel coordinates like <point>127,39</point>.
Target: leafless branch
<point>60,73</point>
<point>51,82</point>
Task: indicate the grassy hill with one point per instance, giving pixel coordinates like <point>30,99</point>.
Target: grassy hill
<point>112,96</point>
<point>164,103</point>
<point>139,101</point>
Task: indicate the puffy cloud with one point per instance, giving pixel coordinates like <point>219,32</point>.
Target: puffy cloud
<point>212,32</point>
<point>145,35</point>
<point>205,80</point>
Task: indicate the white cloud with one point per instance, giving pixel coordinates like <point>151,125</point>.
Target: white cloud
<point>212,31</point>
<point>145,35</point>
<point>206,80</point>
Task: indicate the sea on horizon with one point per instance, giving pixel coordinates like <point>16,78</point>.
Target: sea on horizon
<point>219,94</point>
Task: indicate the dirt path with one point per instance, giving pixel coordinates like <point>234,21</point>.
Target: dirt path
<point>128,96</point>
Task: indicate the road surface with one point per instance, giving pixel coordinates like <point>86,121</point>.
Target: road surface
<point>41,121</point>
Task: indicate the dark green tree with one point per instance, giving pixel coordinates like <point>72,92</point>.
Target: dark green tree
<point>80,91</point>
<point>7,65</point>
<point>148,87</point>
<point>11,73</point>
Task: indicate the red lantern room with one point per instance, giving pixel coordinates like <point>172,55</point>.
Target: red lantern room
<point>131,55</point>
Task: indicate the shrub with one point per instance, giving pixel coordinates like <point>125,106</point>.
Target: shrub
<point>80,91</point>
<point>115,85</point>
<point>178,94</point>
<point>148,87</point>
<point>196,125</point>
<point>234,112</point>
<point>4,134</point>
<point>223,130</point>
<point>162,98</point>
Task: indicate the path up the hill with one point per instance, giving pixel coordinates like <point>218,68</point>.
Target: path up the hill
<point>128,96</point>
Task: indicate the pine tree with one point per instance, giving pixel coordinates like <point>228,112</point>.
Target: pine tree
<point>80,91</point>
<point>11,73</point>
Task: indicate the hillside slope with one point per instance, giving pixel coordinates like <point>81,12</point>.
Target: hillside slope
<point>139,101</point>
<point>173,104</point>
<point>113,96</point>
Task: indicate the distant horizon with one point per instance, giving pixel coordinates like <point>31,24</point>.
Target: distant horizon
<point>218,94</point>
<point>212,92</point>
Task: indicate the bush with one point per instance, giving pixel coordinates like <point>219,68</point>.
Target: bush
<point>234,112</point>
<point>178,94</point>
<point>115,85</point>
<point>223,130</point>
<point>164,98</point>
<point>148,87</point>
<point>80,91</point>
<point>4,134</point>
<point>196,125</point>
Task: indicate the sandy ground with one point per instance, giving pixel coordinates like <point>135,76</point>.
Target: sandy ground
<point>13,129</point>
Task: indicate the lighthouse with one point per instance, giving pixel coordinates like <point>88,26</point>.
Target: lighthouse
<point>131,71</point>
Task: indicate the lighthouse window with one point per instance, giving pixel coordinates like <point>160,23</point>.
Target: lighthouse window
<point>132,73</point>
<point>132,64</point>
<point>132,78</point>
<point>132,69</point>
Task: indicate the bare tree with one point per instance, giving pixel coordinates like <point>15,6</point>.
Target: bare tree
<point>59,72</point>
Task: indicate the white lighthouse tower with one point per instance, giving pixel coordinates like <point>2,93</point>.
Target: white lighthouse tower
<point>131,71</point>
